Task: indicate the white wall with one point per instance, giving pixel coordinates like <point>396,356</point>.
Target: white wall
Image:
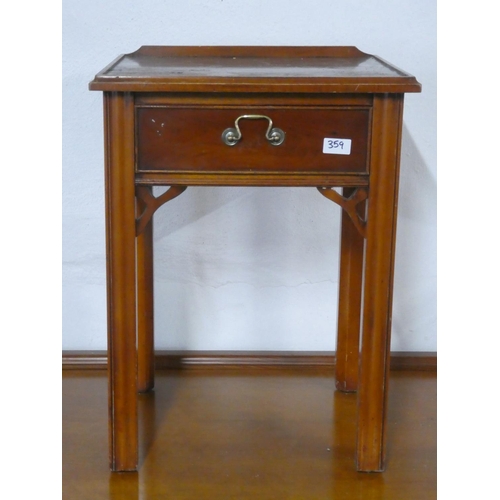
<point>245,268</point>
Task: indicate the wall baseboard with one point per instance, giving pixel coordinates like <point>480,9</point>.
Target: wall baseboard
<point>97,360</point>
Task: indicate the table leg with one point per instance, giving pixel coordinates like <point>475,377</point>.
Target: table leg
<point>121,280</point>
<point>378,279</point>
<point>145,306</point>
<point>349,310</point>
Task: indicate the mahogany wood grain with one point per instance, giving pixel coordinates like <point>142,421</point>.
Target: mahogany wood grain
<point>189,139</point>
<point>145,304</point>
<point>121,279</point>
<point>253,69</point>
<point>311,179</point>
<point>349,304</point>
<point>378,277</point>
<point>165,111</point>
<point>238,99</point>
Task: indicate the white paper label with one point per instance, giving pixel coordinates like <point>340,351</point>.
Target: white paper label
<point>334,146</point>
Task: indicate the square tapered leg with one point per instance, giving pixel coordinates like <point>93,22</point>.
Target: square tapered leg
<point>378,281</point>
<point>349,310</point>
<point>121,281</point>
<point>145,307</point>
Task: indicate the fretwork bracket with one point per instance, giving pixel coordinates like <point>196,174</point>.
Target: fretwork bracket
<point>349,204</point>
<point>148,203</point>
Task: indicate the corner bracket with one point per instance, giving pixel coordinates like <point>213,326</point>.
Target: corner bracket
<point>149,203</point>
<point>350,204</point>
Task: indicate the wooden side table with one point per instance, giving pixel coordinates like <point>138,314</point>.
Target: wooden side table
<point>322,117</point>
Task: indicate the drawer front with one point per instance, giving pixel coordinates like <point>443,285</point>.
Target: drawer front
<point>182,139</point>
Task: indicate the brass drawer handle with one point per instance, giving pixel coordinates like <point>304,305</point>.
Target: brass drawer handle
<point>275,136</point>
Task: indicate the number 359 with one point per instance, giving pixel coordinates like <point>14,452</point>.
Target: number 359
<point>335,144</point>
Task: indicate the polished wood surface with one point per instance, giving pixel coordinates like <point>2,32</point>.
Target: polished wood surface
<point>264,433</point>
<point>121,280</point>
<point>349,304</point>
<point>166,109</point>
<point>377,286</point>
<point>253,69</point>
<point>178,139</point>
<point>97,360</point>
<point>176,147</point>
<point>145,300</point>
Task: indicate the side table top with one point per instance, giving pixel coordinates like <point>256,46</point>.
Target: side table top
<point>252,69</point>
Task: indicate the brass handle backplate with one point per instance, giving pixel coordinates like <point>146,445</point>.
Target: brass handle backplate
<point>275,136</point>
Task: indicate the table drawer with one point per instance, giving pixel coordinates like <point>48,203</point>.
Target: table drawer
<point>183,139</point>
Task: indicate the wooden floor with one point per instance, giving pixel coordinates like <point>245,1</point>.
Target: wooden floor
<point>249,434</point>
